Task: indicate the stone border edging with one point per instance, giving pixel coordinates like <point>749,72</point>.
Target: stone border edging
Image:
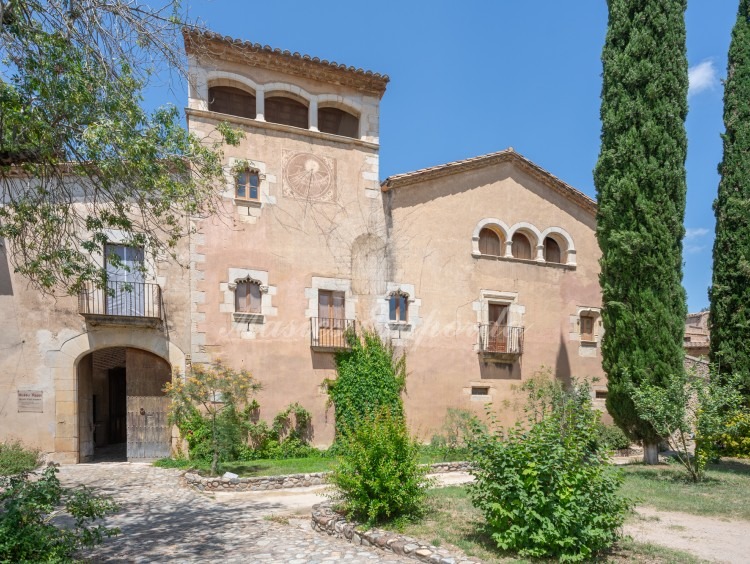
<point>264,483</point>
<point>326,520</point>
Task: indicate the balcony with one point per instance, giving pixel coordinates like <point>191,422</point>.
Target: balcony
<point>122,303</point>
<point>328,334</point>
<point>500,342</point>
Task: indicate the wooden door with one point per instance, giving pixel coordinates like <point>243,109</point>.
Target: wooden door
<point>149,431</point>
<point>331,319</point>
<point>117,406</point>
<point>498,328</point>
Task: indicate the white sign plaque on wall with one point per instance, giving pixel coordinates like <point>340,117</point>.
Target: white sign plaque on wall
<point>30,401</point>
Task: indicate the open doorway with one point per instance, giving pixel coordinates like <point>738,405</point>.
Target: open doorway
<point>122,409</point>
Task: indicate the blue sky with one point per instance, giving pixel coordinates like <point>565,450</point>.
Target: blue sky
<point>474,77</point>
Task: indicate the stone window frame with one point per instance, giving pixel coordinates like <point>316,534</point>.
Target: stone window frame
<point>248,324</point>
<point>331,285</point>
<point>533,234</point>
<point>398,331</point>
<point>250,170</point>
<point>587,348</point>
<point>516,311</point>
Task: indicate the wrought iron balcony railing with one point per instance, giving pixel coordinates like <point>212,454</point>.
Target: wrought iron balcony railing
<point>133,300</point>
<point>500,339</point>
<point>331,333</point>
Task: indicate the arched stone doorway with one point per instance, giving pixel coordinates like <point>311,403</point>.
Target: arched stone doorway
<point>122,409</point>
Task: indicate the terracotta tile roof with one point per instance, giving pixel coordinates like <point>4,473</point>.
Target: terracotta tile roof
<point>473,163</point>
<point>286,61</point>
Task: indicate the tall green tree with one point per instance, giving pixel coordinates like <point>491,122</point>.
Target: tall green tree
<point>640,183</point>
<point>79,155</point>
<point>730,290</point>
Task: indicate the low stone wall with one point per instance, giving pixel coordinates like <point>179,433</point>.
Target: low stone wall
<point>263,483</point>
<point>255,483</point>
<point>325,520</point>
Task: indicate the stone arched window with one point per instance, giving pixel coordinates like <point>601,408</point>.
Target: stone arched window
<point>552,251</point>
<point>521,247</point>
<point>232,101</point>
<point>398,306</point>
<point>338,122</point>
<point>286,110</point>
<point>247,296</point>
<point>490,243</point>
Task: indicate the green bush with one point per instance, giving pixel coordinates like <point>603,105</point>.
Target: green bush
<point>14,459</point>
<point>378,475</point>
<point>28,529</point>
<point>368,377</point>
<point>611,437</point>
<point>544,490</point>
<point>734,438</point>
<point>451,443</point>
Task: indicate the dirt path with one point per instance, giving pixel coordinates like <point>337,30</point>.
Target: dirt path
<point>714,539</point>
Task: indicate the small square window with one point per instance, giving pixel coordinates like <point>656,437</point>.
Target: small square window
<point>587,328</point>
<point>247,185</point>
<point>600,394</point>
<point>398,307</point>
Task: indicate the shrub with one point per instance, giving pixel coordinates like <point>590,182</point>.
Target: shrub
<point>14,459</point>
<point>378,475</point>
<point>28,531</point>
<point>544,490</point>
<point>368,377</point>
<point>734,439</point>
<point>204,408</point>
<point>451,443</point>
<point>611,437</point>
<point>710,406</point>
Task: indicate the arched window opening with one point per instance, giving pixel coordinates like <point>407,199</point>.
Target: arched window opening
<point>338,122</point>
<point>398,307</point>
<point>489,242</point>
<point>247,296</point>
<point>287,111</point>
<point>521,246</point>
<point>552,252</point>
<point>231,101</point>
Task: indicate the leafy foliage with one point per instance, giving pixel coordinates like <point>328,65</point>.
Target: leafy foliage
<point>28,511</point>
<point>640,183</point>
<point>369,377</point>
<point>378,475</point>
<point>730,289</point>
<point>287,437</point>
<point>710,407</point>
<point>734,439</point>
<point>71,121</point>
<point>543,486</point>
<point>14,459</point>
<point>453,440</point>
<point>611,437</point>
<point>205,405</point>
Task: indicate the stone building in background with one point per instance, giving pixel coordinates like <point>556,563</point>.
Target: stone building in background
<point>483,271</point>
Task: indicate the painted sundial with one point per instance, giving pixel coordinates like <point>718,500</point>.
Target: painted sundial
<point>309,176</point>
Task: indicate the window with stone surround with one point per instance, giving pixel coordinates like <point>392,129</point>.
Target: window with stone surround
<point>398,307</point>
<point>490,242</point>
<point>521,246</point>
<point>247,184</point>
<point>552,252</point>
<point>247,296</point>
<point>588,324</point>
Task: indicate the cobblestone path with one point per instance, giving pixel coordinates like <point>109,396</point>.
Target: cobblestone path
<point>162,520</point>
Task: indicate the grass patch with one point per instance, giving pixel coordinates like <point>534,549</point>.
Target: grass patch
<point>453,522</point>
<point>725,492</point>
<point>15,459</point>
<point>269,467</point>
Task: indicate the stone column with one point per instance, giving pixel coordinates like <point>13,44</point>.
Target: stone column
<point>509,248</point>
<point>260,105</point>
<point>312,115</point>
<point>540,253</point>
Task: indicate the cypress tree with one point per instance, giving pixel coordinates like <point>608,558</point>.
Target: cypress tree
<point>641,186</point>
<point>730,290</point>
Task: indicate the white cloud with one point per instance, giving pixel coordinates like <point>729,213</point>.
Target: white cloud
<point>695,232</point>
<point>695,249</point>
<point>702,77</point>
